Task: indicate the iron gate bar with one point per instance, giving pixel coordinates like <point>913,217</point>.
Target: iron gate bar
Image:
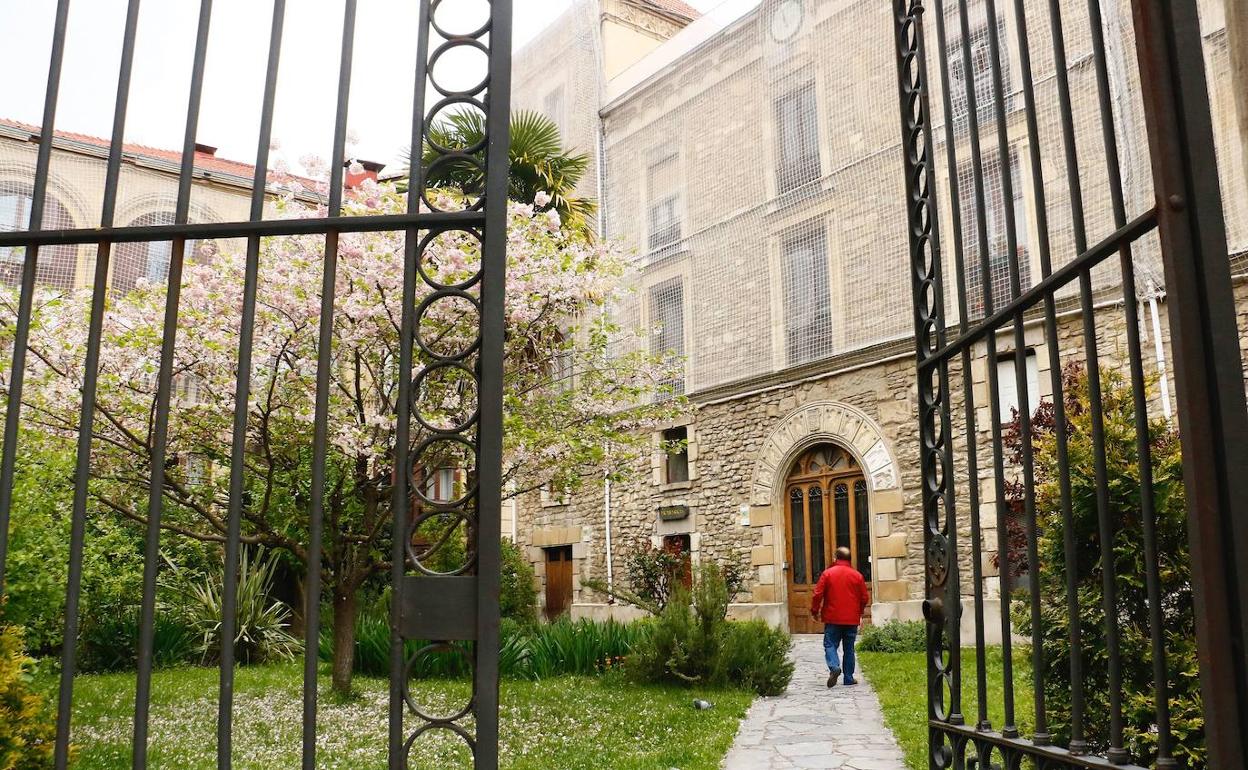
<point>490,427</point>
<point>968,401</point>
<point>324,364</point>
<point>1144,460</point>
<point>1213,419</point>
<point>1074,185</point>
<point>266,227</point>
<point>38,195</point>
<point>242,392</point>
<point>401,498</point>
<point>1042,735</point>
<point>1023,747</point>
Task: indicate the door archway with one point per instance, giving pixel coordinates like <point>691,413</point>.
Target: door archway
<point>826,506</point>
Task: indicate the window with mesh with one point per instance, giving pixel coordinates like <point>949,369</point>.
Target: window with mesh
<point>807,301</point>
<point>1008,402</point>
<point>552,105</point>
<point>150,260</point>
<point>667,315</point>
<point>58,265</point>
<point>676,468</point>
<point>663,185</point>
<point>980,73</point>
<point>797,135</point>
<point>995,223</point>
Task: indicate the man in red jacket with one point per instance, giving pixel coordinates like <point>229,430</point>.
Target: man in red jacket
<point>840,598</point>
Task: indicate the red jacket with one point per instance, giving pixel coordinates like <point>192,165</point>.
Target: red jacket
<point>840,596</point>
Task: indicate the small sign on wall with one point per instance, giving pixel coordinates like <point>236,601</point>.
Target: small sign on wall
<point>673,512</point>
<point>743,515</point>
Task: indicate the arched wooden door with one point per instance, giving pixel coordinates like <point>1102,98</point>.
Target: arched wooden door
<point>825,507</point>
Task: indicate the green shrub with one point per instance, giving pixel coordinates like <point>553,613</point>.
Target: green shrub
<point>1128,567</point>
<point>260,621</point>
<point>756,656</point>
<point>518,595</point>
<point>110,642</point>
<point>582,647</point>
<point>526,651</point>
<point>894,636</point>
<point>27,728</point>
<point>692,642</point>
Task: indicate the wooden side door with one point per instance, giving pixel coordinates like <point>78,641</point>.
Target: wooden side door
<point>558,581</point>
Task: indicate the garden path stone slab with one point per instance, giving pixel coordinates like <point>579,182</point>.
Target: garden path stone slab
<point>811,726</point>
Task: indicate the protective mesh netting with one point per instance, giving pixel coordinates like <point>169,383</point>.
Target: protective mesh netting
<point>751,163</point>
<point>749,159</point>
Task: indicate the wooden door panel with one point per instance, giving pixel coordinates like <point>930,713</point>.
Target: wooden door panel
<point>558,581</point>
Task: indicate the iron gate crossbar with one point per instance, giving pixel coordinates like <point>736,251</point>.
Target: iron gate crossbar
<point>1209,372</point>
<point>478,586</point>
<point>242,229</point>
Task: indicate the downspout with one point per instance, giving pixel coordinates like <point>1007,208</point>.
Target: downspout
<point>607,520</point>
<point>1160,351</point>
<point>601,159</point>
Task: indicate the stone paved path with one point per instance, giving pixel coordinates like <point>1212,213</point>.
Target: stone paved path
<point>811,726</point>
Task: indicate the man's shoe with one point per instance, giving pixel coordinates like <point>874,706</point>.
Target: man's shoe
<point>851,682</point>
<point>832,675</point>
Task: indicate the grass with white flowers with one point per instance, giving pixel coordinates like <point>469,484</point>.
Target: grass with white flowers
<point>562,722</point>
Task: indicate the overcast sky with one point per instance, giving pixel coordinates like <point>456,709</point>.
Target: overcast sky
<point>381,88</point>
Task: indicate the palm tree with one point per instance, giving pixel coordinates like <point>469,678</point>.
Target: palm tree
<point>538,163</point>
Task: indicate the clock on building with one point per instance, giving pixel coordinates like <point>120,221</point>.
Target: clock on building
<point>786,19</point>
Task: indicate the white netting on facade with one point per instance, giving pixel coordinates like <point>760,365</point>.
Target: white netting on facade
<point>753,160</point>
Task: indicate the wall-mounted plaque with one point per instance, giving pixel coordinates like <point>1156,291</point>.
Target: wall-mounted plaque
<point>673,512</point>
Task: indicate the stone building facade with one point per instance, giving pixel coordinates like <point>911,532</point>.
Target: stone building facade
<point>147,195</point>
<point>751,163</point>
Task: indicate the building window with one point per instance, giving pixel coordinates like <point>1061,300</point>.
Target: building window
<point>552,105</point>
<point>555,493</point>
<point>980,74</point>
<point>807,309</point>
<point>998,243</point>
<point>440,486</point>
<point>57,265</point>
<point>676,455</point>
<point>797,135</point>
<point>667,316</point>
<point>1007,386</point>
<point>664,190</point>
<point>150,260</point>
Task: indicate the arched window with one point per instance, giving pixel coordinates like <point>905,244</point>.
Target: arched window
<point>150,259</point>
<point>58,265</point>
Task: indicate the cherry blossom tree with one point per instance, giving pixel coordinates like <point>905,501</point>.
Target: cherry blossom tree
<point>580,399</point>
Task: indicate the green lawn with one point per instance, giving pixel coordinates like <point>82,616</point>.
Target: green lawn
<point>899,678</point>
<point>563,722</point>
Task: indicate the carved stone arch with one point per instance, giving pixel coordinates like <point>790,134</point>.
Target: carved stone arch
<point>824,422</point>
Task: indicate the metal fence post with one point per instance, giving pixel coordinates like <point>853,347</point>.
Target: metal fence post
<point>1209,377</point>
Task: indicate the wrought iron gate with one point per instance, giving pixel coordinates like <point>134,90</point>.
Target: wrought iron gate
<point>1187,218</point>
<point>459,606</point>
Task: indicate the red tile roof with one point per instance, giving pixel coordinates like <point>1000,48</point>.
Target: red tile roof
<point>203,160</point>
<point>673,7</point>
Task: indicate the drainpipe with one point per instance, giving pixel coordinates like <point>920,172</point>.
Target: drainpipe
<point>607,519</point>
<point>1160,350</point>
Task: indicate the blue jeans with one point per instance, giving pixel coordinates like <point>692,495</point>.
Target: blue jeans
<point>840,636</point>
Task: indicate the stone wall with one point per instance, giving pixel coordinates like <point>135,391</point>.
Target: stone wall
<point>742,446</point>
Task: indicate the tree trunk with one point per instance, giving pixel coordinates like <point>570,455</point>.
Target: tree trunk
<point>346,607</point>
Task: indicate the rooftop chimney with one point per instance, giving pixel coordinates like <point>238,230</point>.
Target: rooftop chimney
<point>371,168</point>
<point>205,149</point>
